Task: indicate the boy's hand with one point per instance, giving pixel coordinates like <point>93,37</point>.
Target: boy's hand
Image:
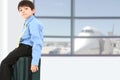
<point>34,68</point>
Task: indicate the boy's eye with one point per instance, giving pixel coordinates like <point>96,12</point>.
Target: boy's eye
<point>20,10</point>
<point>26,8</point>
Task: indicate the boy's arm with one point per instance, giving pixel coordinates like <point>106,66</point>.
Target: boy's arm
<point>37,40</point>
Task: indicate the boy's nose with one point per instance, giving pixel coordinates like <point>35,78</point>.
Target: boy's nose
<point>23,11</point>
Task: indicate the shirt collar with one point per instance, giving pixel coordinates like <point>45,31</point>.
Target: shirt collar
<point>29,19</point>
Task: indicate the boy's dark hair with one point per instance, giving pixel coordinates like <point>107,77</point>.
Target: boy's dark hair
<point>26,3</point>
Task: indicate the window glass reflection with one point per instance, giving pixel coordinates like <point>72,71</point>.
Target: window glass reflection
<point>52,7</point>
<point>86,46</point>
<point>96,27</point>
<point>54,46</point>
<point>97,8</point>
<point>56,27</point>
<point>97,46</point>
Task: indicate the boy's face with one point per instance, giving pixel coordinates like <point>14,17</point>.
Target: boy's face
<point>26,12</point>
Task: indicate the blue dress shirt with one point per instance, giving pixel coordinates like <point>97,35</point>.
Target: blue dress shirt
<point>33,36</point>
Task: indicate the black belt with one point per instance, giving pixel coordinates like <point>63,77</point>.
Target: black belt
<point>25,45</point>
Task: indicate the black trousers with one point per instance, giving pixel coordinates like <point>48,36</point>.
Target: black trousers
<point>6,67</point>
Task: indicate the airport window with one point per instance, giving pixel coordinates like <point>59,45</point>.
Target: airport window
<point>97,8</point>
<point>52,7</point>
<point>97,46</point>
<point>101,27</point>
<point>56,27</point>
<point>87,46</point>
<point>56,46</point>
<point>80,27</point>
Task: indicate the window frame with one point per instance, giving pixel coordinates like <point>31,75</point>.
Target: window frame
<point>72,19</point>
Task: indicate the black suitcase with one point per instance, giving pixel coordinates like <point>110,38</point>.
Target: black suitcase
<point>22,70</point>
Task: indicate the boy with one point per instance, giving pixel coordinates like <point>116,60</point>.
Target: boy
<point>30,43</point>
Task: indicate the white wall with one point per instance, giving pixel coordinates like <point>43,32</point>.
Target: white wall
<point>80,68</point>
<point>15,24</point>
<point>11,25</point>
<point>3,28</point>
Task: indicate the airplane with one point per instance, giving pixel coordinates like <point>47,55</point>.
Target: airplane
<point>87,43</point>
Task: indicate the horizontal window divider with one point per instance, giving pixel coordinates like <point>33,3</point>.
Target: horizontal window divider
<point>80,55</point>
<point>56,55</point>
<point>82,36</point>
<point>65,17</point>
<point>53,17</point>
<point>96,36</point>
<point>57,36</point>
<point>97,17</point>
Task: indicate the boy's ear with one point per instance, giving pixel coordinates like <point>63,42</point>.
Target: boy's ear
<point>33,10</point>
